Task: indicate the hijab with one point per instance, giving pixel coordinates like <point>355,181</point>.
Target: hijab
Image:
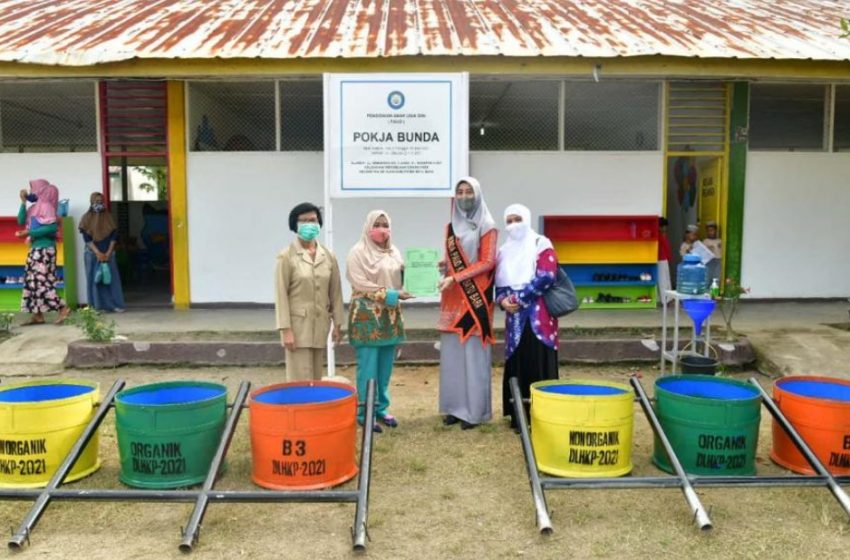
<point>370,267</point>
<point>43,210</point>
<point>517,257</point>
<point>470,226</point>
<point>99,225</point>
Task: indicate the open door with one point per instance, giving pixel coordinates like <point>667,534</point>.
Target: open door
<point>710,177</point>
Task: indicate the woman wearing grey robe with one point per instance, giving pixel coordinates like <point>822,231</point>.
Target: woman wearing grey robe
<point>466,309</point>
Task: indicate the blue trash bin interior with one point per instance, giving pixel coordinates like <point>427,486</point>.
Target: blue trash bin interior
<point>579,389</point>
<point>708,389</point>
<point>179,394</point>
<point>39,393</point>
<point>303,394</point>
<point>817,389</point>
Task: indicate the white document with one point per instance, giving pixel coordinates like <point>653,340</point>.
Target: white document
<point>704,253</point>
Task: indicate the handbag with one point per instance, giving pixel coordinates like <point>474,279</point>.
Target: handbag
<point>561,298</point>
<point>103,275</point>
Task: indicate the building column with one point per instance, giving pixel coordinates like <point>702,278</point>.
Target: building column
<point>738,128</point>
<point>177,195</point>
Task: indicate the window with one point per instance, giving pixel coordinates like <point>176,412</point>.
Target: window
<point>787,117</point>
<point>513,115</point>
<point>611,115</point>
<point>48,117</point>
<point>232,116</point>
<point>301,116</point>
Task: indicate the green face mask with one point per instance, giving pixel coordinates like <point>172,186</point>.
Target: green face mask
<point>308,232</point>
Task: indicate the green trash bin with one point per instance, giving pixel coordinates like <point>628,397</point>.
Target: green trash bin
<point>712,424</point>
<point>168,432</point>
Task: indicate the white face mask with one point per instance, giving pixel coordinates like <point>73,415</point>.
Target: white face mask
<point>516,230</point>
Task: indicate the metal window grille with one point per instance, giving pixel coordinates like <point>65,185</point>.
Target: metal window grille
<point>611,115</point>
<point>787,117</point>
<point>232,116</point>
<point>133,117</point>
<point>48,116</point>
<point>513,115</point>
<point>696,117</point>
<point>301,116</point>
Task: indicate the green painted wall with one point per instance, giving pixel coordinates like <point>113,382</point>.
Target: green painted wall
<point>738,128</point>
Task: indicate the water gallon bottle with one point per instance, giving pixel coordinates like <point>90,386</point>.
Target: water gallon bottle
<point>690,276</point>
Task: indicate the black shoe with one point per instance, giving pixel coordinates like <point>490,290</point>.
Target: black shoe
<point>449,420</point>
<point>464,425</point>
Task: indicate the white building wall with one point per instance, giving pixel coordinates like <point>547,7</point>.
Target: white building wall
<point>76,175</point>
<point>239,205</point>
<point>797,225</point>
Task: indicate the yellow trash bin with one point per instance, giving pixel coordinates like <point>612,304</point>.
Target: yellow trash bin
<point>582,428</point>
<point>39,423</point>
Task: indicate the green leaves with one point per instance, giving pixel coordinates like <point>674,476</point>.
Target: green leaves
<point>91,322</point>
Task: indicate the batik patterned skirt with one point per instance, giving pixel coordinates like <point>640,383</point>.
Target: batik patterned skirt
<point>39,293</point>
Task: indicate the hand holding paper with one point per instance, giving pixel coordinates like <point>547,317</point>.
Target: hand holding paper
<point>421,273</point>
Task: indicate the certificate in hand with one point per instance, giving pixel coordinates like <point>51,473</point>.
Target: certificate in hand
<point>421,276</point>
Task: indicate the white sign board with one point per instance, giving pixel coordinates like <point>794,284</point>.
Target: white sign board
<point>396,135</point>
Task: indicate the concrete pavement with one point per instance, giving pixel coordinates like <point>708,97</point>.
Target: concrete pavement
<point>790,337</point>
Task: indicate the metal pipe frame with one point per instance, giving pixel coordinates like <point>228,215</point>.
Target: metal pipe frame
<point>682,480</point>
<point>193,527</point>
<point>541,509</point>
<point>22,534</point>
<point>804,448</point>
<point>359,533</point>
<point>205,495</point>
<point>700,514</point>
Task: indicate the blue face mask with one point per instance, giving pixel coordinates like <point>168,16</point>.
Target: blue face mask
<point>97,207</point>
<point>308,232</point>
<point>32,197</point>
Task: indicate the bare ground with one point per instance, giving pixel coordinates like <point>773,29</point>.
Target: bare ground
<point>441,493</point>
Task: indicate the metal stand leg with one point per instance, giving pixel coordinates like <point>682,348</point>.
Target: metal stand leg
<point>664,331</point>
<point>359,532</point>
<point>807,452</point>
<point>43,500</point>
<point>190,534</point>
<point>700,514</point>
<point>544,522</point>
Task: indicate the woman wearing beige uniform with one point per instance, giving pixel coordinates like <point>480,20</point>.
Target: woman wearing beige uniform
<point>308,296</point>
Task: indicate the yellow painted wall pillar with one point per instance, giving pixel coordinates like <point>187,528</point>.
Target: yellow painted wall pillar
<point>177,194</point>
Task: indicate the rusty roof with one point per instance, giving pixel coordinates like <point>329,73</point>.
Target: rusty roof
<point>87,32</point>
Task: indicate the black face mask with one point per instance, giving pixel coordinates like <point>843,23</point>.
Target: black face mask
<point>32,197</point>
<point>466,204</point>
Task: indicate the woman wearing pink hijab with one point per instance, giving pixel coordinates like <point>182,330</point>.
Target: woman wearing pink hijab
<point>40,228</point>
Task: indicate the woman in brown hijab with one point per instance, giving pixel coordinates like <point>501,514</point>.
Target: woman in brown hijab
<point>100,234</point>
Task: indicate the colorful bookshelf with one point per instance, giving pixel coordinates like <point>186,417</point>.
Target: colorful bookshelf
<point>610,259</point>
<point>13,258</point>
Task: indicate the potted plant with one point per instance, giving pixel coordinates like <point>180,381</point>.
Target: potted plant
<point>728,304</point>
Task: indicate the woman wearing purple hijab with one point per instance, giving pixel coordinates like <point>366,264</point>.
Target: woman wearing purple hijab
<point>40,228</point>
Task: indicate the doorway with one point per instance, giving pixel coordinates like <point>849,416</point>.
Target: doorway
<point>696,155</point>
<point>134,152</point>
<point>138,190</point>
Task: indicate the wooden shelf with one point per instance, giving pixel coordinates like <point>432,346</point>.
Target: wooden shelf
<point>601,228</point>
<point>607,255</point>
<point>13,258</point>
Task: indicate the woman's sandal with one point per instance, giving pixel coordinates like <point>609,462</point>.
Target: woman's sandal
<point>389,420</point>
<point>63,314</point>
<point>32,322</point>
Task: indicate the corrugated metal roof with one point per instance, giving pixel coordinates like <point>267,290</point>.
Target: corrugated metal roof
<point>87,32</point>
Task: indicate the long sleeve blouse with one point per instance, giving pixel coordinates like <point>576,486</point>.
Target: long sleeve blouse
<point>532,306</point>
